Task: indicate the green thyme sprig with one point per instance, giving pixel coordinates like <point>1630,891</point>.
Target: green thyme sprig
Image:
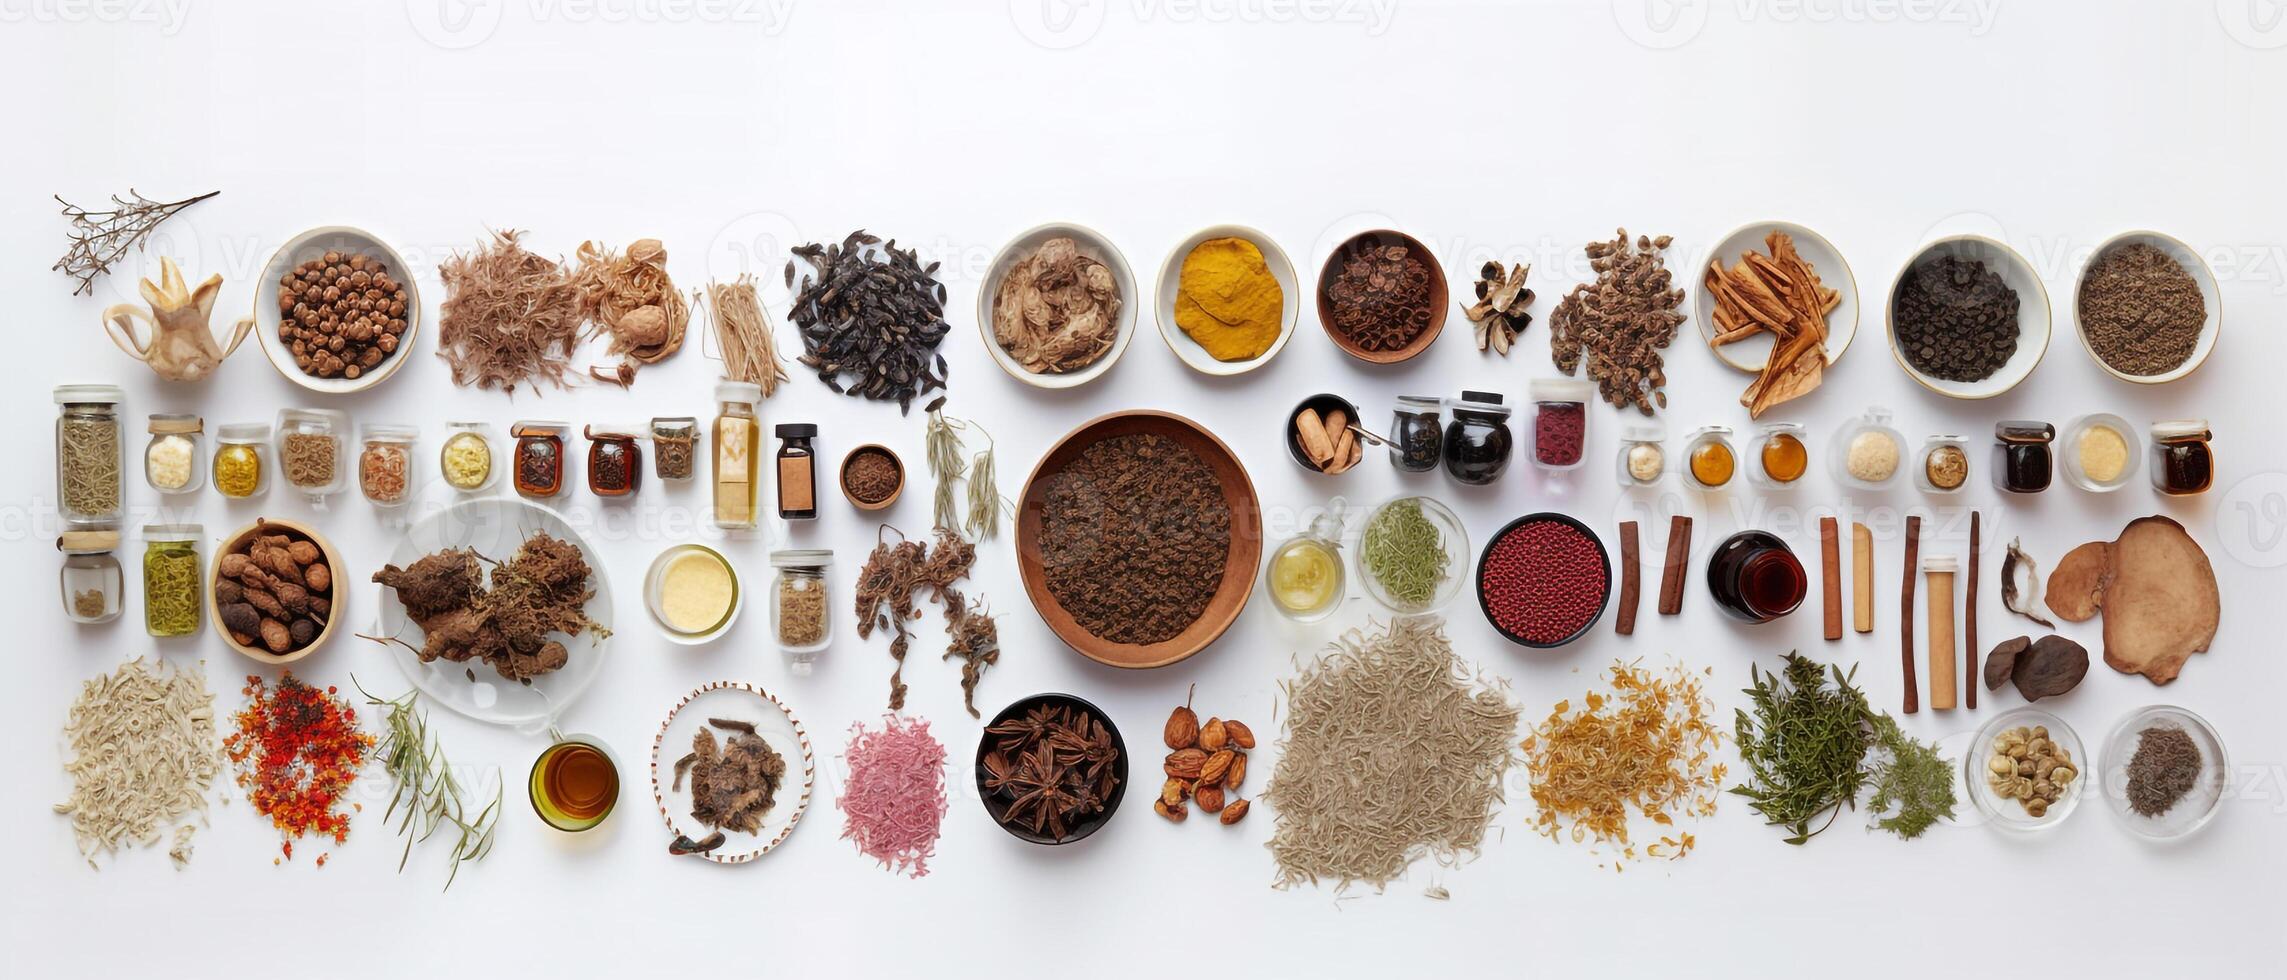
<point>1813,744</point>
<point>425,788</point>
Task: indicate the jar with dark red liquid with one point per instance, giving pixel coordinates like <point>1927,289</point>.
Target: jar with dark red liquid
<point>1477,441</point>
<point>2182,462</point>
<point>1755,577</point>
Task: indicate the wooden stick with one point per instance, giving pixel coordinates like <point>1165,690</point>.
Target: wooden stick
<point>1861,578</point>
<point>1631,570</point>
<point>1940,605</point>
<point>1969,677</point>
<point>1830,568</point>
<point>1906,618</point>
<point>1679,556</point>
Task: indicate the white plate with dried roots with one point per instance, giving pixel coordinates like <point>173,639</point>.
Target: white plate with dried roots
<point>1092,245</point>
<point>727,713</point>
<point>495,527</point>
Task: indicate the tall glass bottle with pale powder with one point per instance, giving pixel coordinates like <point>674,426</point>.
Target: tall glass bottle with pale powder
<point>738,440</point>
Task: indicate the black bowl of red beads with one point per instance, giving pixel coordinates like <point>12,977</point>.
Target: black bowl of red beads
<point>1543,580</point>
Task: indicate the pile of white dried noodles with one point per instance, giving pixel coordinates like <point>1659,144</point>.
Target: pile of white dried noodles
<point>1394,749</point>
<point>143,753</point>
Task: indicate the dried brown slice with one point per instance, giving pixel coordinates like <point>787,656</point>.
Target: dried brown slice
<point>2156,590</point>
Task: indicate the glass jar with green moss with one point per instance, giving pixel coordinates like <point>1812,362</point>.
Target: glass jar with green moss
<point>171,579</point>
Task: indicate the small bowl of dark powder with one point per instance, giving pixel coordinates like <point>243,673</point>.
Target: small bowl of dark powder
<point>2147,308</point>
<point>1968,317</point>
<point>2164,771</point>
<point>872,477</point>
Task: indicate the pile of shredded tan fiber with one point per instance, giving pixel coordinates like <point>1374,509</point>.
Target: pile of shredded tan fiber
<point>143,754</point>
<point>510,317</point>
<point>1390,754</point>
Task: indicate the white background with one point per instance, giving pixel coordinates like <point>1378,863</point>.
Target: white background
<point>1516,131</point>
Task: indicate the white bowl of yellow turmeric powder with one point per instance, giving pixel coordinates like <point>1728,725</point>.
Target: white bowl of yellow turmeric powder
<point>1227,300</point>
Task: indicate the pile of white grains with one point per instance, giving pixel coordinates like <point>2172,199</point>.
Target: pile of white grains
<point>1390,753</point>
<point>143,753</point>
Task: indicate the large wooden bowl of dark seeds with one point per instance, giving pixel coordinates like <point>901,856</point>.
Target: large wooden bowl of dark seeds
<point>1138,536</point>
<point>1051,769</point>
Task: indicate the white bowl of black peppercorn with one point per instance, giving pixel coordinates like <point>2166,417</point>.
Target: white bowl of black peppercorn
<point>379,260</point>
<point>1935,333</point>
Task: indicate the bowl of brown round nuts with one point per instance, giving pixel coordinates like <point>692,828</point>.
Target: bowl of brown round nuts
<point>336,310</point>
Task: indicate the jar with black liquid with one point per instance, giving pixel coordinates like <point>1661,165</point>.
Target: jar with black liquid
<point>1415,434</point>
<point>1755,577</point>
<point>797,472</point>
<point>1477,441</point>
<point>2023,460</point>
<point>2182,463</point>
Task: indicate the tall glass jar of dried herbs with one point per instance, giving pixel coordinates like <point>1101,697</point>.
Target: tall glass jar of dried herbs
<point>171,579</point>
<point>801,616</point>
<point>89,456</point>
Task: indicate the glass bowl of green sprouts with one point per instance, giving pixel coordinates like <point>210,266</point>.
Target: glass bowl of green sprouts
<point>1412,554</point>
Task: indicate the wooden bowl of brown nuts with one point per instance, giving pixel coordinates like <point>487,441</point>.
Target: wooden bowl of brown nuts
<point>336,310</point>
<point>272,592</point>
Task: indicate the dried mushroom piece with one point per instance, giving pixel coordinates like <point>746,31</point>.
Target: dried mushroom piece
<point>1500,311</point>
<point>2156,590</point>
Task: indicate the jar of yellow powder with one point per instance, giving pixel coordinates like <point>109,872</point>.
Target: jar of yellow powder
<point>2100,452</point>
<point>466,459</point>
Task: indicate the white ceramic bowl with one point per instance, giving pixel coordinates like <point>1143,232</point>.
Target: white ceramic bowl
<point>2211,296</point>
<point>312,244</point>
<point>1833,272</point>
<point>1170,278</point>
<point>1095,246</point>
<point>2033,320</point>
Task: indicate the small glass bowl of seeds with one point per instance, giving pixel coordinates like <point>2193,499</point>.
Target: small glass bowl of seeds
<point>2026,770</point>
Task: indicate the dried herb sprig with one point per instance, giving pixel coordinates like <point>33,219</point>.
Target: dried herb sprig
<point>1913,784</point>
<point>985,500</point>
<point>1805,745</point>
<point>99,238</point>
<point>424,787</point>
<point>942,447</point>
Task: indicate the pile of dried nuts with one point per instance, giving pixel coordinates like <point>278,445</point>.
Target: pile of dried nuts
<point>1206,766</point>
<point>340,315</point>
<point>275,590</point>
<point>2029,768</point>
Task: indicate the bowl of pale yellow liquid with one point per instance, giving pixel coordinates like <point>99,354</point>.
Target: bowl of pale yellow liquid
<point>693,593</point>
<point>1304,576</point>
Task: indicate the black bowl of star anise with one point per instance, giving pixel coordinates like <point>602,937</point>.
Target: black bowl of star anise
<point>1051,768</point>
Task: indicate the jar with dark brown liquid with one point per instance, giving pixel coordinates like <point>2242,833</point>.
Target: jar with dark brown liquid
<point>1477,441</point>
<point>2182,463</point>
<point>539,462</point>
<point>615,462</point>
<point>1755,577</point>
<point>2022,459</point>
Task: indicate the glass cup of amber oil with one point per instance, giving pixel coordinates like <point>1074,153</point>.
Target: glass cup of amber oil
<point>575,783</point>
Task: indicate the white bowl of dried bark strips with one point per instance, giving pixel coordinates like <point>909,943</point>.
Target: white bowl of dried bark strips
<point>1058,306</point>
<point>1968,317</point>
<point>1752,349</point>
<point>351,304</point>
<point>271,593</point>
<point>2147,308</point>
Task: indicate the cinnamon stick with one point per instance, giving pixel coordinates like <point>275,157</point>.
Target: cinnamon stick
<point>1631,569</point>
<point>1969,674</point>
<point>1830,567</point>
<point>1679,556</point>
<point>1906,617</point>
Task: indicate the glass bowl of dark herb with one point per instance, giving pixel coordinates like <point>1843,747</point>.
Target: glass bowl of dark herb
<point>2165,771</point>
<point>1412,554</point>
<point>2026,770</point>
<point>1051,769</point>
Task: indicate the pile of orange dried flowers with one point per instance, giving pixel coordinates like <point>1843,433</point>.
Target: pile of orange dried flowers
<point>297,750</point>
<point>1644,749</point>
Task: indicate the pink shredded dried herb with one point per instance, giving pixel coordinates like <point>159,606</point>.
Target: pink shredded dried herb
<point>894,804</point>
